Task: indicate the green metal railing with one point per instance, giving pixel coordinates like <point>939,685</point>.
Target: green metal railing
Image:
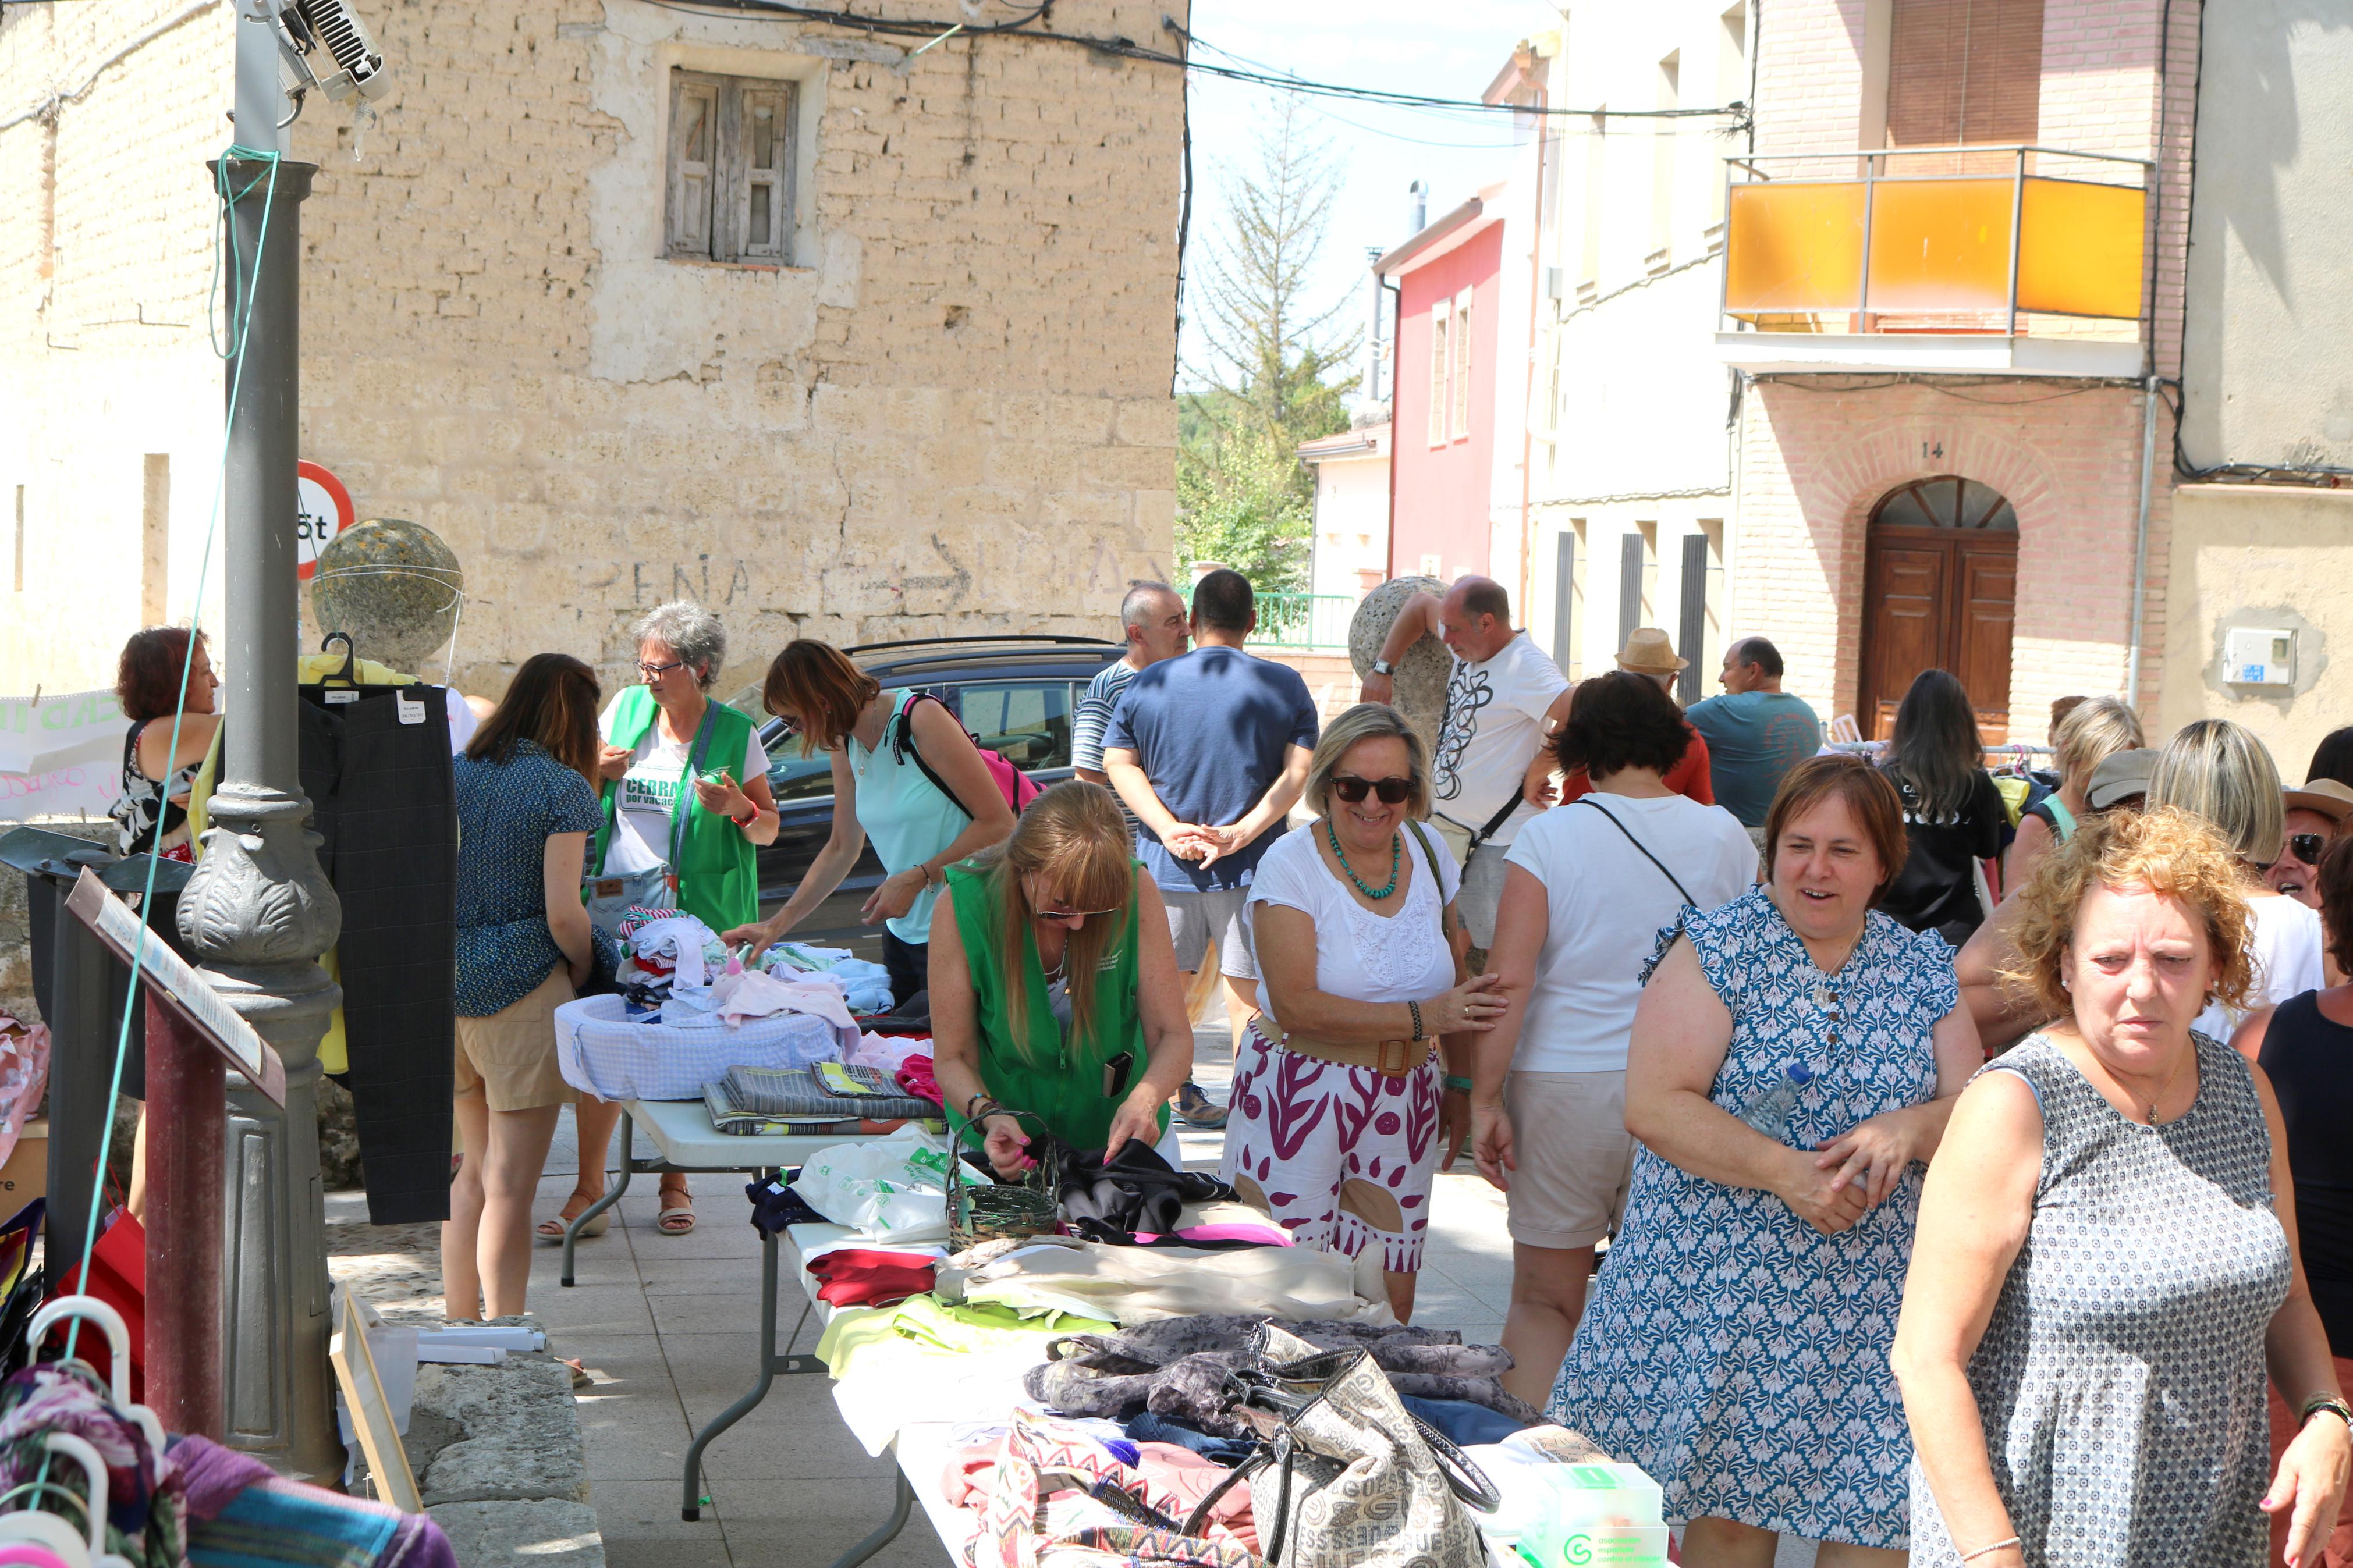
<point>1303,621</point>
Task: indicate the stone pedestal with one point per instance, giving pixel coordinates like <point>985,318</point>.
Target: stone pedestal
<point>1422,673</point>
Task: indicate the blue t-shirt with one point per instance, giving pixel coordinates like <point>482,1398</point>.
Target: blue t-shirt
<point>1753,738</point>
<point>506,813</point>
<point>1210,729</point>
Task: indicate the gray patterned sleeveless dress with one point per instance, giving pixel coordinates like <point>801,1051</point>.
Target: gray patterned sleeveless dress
<point>2121,1376</point>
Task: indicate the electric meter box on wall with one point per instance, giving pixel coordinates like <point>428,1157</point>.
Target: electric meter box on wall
<point>2259,656</point>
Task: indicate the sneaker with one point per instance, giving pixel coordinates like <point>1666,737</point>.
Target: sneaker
<point>1197,1109</point>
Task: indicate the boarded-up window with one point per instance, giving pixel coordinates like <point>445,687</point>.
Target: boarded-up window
<point>731,143</point>
<point>1964,72</point>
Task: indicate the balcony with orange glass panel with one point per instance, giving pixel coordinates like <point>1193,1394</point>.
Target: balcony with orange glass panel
<point>1960,260</point>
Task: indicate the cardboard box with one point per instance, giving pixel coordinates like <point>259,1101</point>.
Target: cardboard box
<point>26,1176</point>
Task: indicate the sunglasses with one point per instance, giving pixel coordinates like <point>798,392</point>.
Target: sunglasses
<point>2306,847</point>
<point>1352,789</point>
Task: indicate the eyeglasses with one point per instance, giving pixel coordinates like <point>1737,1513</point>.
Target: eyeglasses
<point>1352,789</point>
<point>2306,847</point>
<point>656,671</point>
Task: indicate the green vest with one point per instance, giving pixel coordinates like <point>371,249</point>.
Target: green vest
<point>1062,1089</point>
<point>718,877</point>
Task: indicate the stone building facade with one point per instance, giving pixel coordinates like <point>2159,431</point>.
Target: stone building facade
<point>940,404</point>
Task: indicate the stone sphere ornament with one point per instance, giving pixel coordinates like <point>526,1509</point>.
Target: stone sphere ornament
<point>1422,673</point>
<point>394,587</point>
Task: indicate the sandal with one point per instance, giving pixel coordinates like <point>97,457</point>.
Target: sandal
<point>552,1229</point>
<point>678,1221</point>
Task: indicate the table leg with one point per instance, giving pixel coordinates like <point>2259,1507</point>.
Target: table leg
<point>690,1508</point>
<point>902,1502</point>
<point>612,1196</point>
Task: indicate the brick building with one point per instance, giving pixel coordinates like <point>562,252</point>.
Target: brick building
<point>1952,450</point>
<point>626,302</point>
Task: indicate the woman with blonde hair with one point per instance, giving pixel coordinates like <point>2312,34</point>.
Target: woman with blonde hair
<point>2105,1259</point>
<point>1342,1099</point>
<point>1018,1049</point>
<point>2092,731</point>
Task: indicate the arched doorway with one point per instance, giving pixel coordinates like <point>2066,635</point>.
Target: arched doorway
<point>1940,587</point>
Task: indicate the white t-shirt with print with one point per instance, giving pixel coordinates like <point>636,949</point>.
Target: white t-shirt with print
<point>2289,944</point>
<point>1397,956</point>
<point>1494,724</point>
<point>649,790</point>
<point>1605,905</point>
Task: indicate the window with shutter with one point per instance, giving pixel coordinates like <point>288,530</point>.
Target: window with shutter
<point>731,169</point>
<point>1440,346</point>
<point>1633,549</point>
<point>1964,72</point>
<point>1690,624</point>
<point>1462,367</point>
<point>1563,601</point>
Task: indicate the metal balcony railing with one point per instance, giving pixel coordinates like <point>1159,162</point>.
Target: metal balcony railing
<point>1937,240</point>
<point>1302,622</point>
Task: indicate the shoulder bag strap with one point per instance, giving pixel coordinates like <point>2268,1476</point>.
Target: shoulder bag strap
<point>1653,859</point>
<point>1495,823</point>
<point>903,748</point>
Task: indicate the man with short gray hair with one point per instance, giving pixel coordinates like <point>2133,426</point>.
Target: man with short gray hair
<point>1153,621</point>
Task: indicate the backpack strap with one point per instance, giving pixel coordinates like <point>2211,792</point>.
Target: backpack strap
<point>903,748</point>
<point>1653,859</point>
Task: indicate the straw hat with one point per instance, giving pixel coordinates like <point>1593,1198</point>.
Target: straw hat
<point>2326,796</point>
<point>1649,651</point>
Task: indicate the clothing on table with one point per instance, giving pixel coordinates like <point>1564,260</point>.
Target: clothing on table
<point>1210,729</point>
<point>713,863</point>
<point>1045,1479</point>
<point>2305,1053</point>
<point>1092,717</point>
<point>676,946</point>
<point>749,993</point>
<point>1936,890</point>
<point>2337,1552</point>
<point>376,761</point>
<point>916,1078</point>
<point>2289,945</point>
<point>1131,1189</point>
<point>1049,1273</point>
<point>1148,1427</point>
<point>1069,1087</point>
<point>150,815</point>
<point>776,1207</point>
<point>910,820</point>
<point>509,1056</point>
<point>861,1277</point>
<point>1461,1421</point>
<point>1605,902</point>
<point>506,813</point>
<point>1345,1156</point>
<point>828,1090</point>
<point>1691,777</point>
<point>1726,1428</point>
<point>1495,727</point>
<point>1754,738</point>
<point>949,1327</point>
<point>2121,1375</point>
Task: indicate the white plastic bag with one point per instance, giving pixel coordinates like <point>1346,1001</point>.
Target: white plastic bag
<point>893,1189</point>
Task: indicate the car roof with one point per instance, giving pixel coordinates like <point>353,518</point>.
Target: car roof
<point>940,661</point>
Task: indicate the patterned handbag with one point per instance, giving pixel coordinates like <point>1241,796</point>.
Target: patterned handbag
<point>1061,1500</point>
<point>1350,1478</point>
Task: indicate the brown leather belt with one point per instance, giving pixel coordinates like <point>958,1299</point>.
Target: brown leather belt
<point>1390,1058</point>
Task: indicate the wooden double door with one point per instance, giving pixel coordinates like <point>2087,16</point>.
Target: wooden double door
<point>1937,598</point>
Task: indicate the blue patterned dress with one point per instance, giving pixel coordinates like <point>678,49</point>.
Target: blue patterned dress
<point>1734,1353</point>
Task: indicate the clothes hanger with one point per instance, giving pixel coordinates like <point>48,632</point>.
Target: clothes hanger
<point>90,1309</point>
<point>351,656</point>
<point>39,1539</point>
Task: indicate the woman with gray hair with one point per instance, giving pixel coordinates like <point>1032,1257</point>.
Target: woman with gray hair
<point>685,794</point>
<point>1340,1100</point>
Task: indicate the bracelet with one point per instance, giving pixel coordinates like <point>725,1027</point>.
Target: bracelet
<point>746,821</point>
<point>1458,1084</point>
<point>2335,1406</point>
<point>1415,1008</point>
<point>1990,1551</point>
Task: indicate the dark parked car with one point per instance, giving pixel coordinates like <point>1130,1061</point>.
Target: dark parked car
<point>1016,694</point>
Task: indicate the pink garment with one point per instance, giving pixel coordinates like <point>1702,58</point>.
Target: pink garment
<point>1171,1478</point>
<point>914,1076</point>
<point>750,993</point>
<point>887,1053</point>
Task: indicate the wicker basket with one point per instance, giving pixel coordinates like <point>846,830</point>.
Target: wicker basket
<point>998,1211</point>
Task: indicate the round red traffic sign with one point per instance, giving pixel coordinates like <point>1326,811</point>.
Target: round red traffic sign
<point>323,509</point>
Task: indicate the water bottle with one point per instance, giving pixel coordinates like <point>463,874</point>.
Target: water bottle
<point>1770,1114</point>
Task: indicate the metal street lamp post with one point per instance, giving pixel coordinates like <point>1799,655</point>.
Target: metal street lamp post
<point>258,911</point>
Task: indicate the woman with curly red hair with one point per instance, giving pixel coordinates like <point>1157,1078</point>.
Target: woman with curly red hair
<point>166,691</point>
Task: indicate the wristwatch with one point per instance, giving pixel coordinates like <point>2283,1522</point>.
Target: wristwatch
<point>1383,667</point>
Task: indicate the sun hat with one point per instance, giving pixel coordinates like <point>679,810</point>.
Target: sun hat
<point>1649,651</point>
<point>2326,796</point>
<point>2121,775</point>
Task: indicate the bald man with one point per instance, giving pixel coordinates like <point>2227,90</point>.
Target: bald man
<point>1494,770</point>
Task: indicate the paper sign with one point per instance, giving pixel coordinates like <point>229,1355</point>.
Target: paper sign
<point>171,981</point>
<point>60,754</point>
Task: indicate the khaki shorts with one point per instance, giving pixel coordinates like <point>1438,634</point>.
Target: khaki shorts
<point>1218,917</point>
<point>1574,1154</point>
<point>509,1057</point>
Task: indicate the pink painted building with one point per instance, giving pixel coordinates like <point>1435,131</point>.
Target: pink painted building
<point>1954,274</point>
<point>1449,286</point>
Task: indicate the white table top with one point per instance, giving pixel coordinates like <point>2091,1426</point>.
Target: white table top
<point>682,1130</point>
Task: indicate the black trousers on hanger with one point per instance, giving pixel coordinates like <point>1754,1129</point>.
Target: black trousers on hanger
<point>377,766</point>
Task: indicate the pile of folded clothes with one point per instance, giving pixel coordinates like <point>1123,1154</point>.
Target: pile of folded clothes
<point>866,987</point>
<point>828,1098</point>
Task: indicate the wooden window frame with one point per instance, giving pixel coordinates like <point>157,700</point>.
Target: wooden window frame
<point>707,204</point>
<point>1441,368</point>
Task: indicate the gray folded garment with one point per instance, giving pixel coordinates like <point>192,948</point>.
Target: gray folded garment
<point>799,1092</point>
<point>1178,1367</point>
